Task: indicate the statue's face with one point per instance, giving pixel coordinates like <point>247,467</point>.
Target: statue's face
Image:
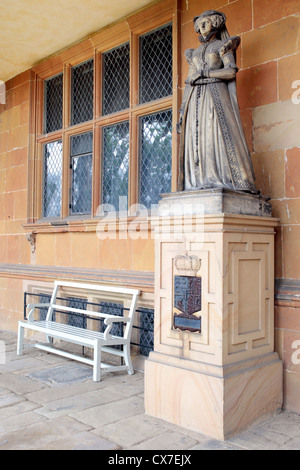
<point>205,26</point>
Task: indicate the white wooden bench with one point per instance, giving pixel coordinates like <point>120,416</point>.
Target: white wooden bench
<point>82,336</point>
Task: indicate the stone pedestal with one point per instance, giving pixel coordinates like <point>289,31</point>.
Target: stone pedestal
<point>213,369</point>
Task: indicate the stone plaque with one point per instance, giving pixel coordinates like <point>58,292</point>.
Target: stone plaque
<point>187,303</point>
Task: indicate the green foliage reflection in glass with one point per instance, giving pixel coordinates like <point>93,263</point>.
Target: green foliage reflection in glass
<point>156,157</point>
<point>82,173</point>
<point>115,164</point>
<point>52,175</point>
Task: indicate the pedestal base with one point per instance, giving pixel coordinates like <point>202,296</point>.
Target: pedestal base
<point>213,369</point>
<point>216,401</point>
<point>215,201</point>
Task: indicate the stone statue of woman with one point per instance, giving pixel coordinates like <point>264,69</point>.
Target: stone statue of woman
<point>213,150</point>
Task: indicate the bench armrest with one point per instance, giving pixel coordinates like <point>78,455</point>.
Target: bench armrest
<point>116,319</point>
<point>37,305</point>
<point>109,321</point>
<point>32,307</point>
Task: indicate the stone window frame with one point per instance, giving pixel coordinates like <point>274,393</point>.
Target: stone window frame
<point>128,30</point>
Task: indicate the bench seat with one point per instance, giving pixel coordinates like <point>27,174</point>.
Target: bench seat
<point>85,337</point>
<point>75,334</point>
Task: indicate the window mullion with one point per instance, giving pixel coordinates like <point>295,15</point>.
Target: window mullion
<point>66,95</point>
<point>97,187</point>
<point>40,107</point>
<point>133,127</point>
<point>134,70</point>
<point>133,182</point>
<point>38,181</point>
<point>65,192</point>
<point>97,84</point>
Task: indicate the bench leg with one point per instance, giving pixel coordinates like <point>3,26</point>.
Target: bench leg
<point>97,362</point>
<point>20,340</point>
<point>50,339</point>
<point>128,358</point>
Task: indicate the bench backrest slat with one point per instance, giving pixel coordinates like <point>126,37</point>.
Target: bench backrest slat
<point>128,327</point>
<point>94,287</point>
<point>101,288</point>
<point>52,301</point>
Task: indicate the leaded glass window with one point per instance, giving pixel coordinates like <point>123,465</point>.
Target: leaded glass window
<point>115,80</point>
<point>52,178</point>
<point>156,64</point>
<point>155,156</point>
<point>128,107</point>
<point>115,163</point>
<point>53,103</point>
<point>82,171</point>
<point>82,92</point>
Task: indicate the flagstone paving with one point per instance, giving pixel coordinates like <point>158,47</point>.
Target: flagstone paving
<point>51,403</point>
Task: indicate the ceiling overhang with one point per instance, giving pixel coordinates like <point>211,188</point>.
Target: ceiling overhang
<point>33,30</point>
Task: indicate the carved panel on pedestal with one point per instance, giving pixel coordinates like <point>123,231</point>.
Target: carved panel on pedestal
<point>249,297</point>
<point>186,305</point>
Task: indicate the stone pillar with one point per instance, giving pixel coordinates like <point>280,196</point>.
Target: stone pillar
<point>213,369</point>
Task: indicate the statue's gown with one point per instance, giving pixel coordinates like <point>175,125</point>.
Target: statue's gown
<point>213,150</point>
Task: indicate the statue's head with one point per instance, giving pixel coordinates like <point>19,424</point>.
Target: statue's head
<point>209,22</point>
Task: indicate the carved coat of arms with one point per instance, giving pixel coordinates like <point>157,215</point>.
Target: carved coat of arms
<point>187,294</point>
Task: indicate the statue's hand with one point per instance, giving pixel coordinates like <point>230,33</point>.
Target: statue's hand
<point>193,78</point>
<point>188,81</point>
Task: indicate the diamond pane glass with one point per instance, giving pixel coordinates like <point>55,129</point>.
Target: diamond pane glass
<point>77,319</point>
<point>82,92</point>
<point>82,144</point>
<point>53,89</point>
<point>52,176</point>
<point>112,308</point>
<point>156,65</point>
<point>44,299</point>
<point>146,331</point>
<point>116,80</point>
<point>82,173</point>
<point>156,157</point>
<point>115,163</point>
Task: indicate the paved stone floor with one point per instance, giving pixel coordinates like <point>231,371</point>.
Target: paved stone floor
<point>50,403</point>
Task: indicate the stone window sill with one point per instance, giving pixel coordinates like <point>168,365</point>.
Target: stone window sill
<point>105,223</point>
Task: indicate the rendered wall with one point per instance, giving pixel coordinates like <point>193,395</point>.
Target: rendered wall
<point>269,64</point>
